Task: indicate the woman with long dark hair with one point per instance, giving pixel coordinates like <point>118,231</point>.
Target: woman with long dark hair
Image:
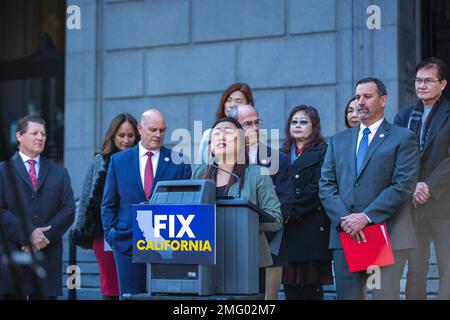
<point>236,93</point>
<point>87,232</point>
<point>307,228</point>
<point>228,151</point>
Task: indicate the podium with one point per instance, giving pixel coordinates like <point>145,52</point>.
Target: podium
<point>237,268</point>
<point>236,272</point>
<point>187,279</point>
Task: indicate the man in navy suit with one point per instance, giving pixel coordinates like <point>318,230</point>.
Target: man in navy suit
<point>132,175</point>
<point>37,192</point>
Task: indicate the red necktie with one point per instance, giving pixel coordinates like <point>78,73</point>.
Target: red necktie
<point>148,176</point>
<point>32,173</point>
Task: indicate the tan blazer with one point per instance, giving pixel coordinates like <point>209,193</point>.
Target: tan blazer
<point>259,189</point>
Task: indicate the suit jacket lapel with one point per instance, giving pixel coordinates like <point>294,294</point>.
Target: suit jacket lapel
<point>308,158</point>
<point>44,169</point>
<point>439,118</point>
<point>353,133</point>
<point>233,191</point>
<point>164,154</point>
<point>135,169</point>
<point>379,137</point>
<point>264,161</point>
<point>19,166</point>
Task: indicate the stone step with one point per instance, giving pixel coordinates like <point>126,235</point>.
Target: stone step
<point>85,267</point>
<point>90,279</point>
<point>84,294</point>
<point>87,280</point>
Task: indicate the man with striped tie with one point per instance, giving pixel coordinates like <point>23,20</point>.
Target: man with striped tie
<point>36,209</point>
<point>368,176</point>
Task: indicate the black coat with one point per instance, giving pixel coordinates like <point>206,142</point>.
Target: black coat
<point>280,173</point>
<point>434,161</point>
<point>88,224</point>
<point>52,204</point>
<point>307,230</point>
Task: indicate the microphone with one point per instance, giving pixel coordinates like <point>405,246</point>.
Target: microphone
<point>213,164</point>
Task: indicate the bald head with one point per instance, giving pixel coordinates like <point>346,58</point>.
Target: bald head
<point>152,114</point>
<point>152,129</point>
<point>245,111</point>
<point>247,117</point>
<point>242,110</point>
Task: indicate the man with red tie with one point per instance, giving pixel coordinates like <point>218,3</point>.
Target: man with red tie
<point>35,192</point>
<point>132,176</point>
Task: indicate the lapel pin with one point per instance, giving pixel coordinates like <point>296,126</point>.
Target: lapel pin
<point>381,135</point>
<point>166,159</point>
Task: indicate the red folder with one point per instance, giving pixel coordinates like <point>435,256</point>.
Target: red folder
<point>377,251</point>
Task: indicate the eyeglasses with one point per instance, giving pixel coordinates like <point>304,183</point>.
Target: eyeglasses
<point>248,124</point>
<point>301,122</point>
<point>427,81</point>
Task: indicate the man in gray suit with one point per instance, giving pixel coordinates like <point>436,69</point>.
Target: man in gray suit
<point>368,176</point>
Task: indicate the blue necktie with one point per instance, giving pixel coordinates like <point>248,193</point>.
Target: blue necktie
<point>362,150</point>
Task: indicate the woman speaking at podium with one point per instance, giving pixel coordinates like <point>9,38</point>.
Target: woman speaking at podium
<point>228,166</point>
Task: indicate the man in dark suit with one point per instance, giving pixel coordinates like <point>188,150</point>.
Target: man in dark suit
<point>368,176</point>
<point>3,144</point>
<point>279,169</point>
<point>430,120</point>
<point>38,192</point>
<point>131,178</point>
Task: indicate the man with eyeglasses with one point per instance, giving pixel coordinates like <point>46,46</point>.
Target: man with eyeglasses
<point>430,120</point>
<point>279,169</point>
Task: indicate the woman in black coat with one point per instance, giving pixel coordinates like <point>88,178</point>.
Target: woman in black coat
<point>307,228</point>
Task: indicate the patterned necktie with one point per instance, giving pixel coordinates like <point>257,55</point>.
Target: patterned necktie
<point>362,150</point>
<point>32,173</point>
<point>148,175</point>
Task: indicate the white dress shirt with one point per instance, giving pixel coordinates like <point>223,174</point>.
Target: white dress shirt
<point>143,161</point>
<point>373,129</point>
<point>25,158</point>
<point>253,154</point>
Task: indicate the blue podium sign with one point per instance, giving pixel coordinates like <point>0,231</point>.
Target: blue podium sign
<point>176,234</point>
